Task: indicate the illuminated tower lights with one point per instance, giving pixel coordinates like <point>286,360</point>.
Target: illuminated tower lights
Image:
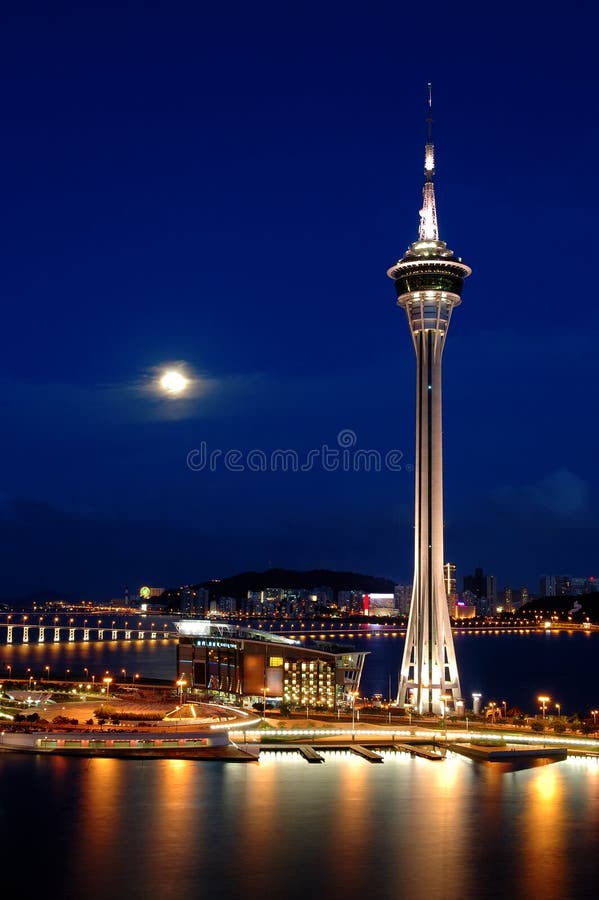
<point>428,282</point>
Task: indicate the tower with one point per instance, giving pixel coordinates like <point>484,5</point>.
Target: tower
<point>428,282</point>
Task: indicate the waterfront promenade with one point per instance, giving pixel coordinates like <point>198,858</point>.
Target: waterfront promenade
<point>139,727</point>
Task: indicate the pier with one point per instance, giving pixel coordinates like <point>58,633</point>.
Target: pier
<point>415,750</point>
<point>366,753</point>
<point>508,752</point>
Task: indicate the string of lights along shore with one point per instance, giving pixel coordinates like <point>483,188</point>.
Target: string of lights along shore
<point>428,282</point>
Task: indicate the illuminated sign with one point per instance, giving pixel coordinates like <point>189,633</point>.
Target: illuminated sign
<point>221,645</point>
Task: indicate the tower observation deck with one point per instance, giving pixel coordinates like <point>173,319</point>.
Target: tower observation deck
<point>428,282</point>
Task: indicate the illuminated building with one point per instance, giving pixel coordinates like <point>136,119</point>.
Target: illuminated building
<point>149,593</point>
<point>381,605</point>
<point>449,574</point>
<point>428,282</point>
<point>230,659</point>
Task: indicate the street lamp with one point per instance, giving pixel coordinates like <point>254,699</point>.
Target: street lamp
<point>504,704</point>
<point>181,684</point>
<point>264,702</point>
<point>47,668</point>
<point>354,694</point>
<point>594,713</point>
<point>543,701</point>
<point>124,674</point>
<point>558,706</point>
<point>9,670</point>
<point>107,681</point>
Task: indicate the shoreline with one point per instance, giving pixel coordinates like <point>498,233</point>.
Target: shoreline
<point>235,742</point>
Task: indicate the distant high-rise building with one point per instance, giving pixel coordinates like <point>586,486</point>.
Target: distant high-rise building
<point>451,586</point>
<point>483,590</point>
<point>476,584</point>
<point>547,586</point>
<point>403,597</point>
<point>350,601</point>
<point>194,601</point>
<point>566,585</point>
<point>563,585</point>
<point>492,594</point>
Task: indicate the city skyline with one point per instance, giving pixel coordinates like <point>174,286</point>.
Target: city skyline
<point>222,193</point>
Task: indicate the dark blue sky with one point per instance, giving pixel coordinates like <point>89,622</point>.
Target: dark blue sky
<point>225,186</point>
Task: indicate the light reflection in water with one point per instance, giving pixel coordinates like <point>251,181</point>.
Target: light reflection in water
<point>191,830</point>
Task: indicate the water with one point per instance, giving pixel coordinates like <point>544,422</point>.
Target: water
<point>512,667</point>
<point>106,828</point>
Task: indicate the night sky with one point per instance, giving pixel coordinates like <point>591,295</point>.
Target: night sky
<point>222,187</point>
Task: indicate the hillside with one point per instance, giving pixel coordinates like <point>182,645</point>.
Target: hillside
<point>238,585</point>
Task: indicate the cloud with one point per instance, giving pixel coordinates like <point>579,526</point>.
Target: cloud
<point>560,494</point>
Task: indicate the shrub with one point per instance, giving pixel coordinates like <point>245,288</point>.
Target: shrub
<point>105,712</point>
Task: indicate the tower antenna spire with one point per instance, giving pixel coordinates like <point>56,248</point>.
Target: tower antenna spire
<point>429,230</point>
<point>429,118</point>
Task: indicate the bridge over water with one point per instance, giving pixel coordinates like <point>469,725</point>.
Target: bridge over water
<point>71,632</point>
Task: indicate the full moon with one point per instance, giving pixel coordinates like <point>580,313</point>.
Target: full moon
<point>173,382</point>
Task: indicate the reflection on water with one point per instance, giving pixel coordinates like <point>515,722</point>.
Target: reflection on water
<point>152,659</point>
<point>104,828</point>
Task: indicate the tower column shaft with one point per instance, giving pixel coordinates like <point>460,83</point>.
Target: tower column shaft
<point>429,675</point>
